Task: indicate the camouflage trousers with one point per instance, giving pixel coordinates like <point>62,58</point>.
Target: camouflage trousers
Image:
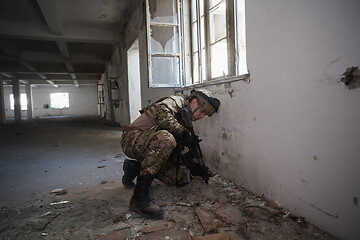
<point>158,153</point>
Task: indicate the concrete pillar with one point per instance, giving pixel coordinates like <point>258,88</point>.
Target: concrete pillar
<point>30,114</point>
<point>17,104</point>
<point>2,104</point>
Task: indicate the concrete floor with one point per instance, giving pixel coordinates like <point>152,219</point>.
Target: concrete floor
<point>37,157</point>
<point>84,157</point>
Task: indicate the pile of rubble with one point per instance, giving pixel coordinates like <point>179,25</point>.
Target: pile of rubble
<point>215,211</point>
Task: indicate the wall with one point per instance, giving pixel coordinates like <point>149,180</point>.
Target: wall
<point>8,112</point>
<point>83,101</point>
<point>117,104</point>
<point>293,132</point>
<point>134,80</point>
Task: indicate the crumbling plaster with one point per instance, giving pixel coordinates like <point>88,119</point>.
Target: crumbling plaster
<point>292,133</point>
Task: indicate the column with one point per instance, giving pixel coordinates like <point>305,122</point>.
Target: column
<point>17,104</point>
<point>29,97</point>
<point>2,104</point>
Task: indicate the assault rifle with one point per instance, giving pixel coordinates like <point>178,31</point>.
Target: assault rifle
<point>196,169</point>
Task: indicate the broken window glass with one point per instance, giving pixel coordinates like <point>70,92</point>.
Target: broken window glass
<point>164,39</point>
<point>164,43</point>
<point>163,11</point>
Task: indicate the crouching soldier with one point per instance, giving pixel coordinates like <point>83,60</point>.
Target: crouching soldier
<point>155,141</point>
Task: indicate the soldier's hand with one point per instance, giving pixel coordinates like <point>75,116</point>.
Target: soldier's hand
<point>187,140</point>
<point>198,170</point>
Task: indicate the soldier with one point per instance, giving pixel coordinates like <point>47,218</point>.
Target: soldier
<point>155,140</point>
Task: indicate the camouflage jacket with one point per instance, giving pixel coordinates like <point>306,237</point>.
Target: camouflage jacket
<point>161,115</point>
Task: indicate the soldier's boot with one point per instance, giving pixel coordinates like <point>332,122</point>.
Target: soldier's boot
<point>131,171</point>
<point>140,201</point>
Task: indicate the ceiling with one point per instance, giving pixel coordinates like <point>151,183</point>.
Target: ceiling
<point>59,41</point>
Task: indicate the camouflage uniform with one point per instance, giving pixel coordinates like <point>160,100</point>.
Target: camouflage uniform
<point>151,139</point>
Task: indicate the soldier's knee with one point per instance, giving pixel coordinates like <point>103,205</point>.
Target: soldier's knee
<point>167,139</point>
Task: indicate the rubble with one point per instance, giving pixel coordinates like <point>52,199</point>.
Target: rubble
<point>217,211</point>
<point>59,191</point>
<point>58,203</point>
<point>207,219</point>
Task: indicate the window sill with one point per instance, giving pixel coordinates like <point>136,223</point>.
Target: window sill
<point>217,81</point>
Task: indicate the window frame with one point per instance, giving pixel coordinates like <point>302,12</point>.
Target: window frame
<point>236,51</point>
<point>151,55</point>
<point>232,38</point>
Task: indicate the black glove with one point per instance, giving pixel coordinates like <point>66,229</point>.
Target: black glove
<point>187,140</point>
<point>198,170</point>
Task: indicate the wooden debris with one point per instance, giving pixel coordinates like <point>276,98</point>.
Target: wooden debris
<point>207,219</point>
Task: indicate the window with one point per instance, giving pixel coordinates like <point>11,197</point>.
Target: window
<point>215,30</point>
<point>59,100</point>
<point>23,101</point>
<point>220,34</point>
<point>164,48</point>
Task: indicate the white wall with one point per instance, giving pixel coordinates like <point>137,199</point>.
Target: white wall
<point>293,132</point>
<point>83,101</point>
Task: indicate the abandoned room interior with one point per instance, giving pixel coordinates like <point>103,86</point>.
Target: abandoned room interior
<point>284,147</point>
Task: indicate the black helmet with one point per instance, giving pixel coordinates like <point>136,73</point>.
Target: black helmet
<point>206,100</point>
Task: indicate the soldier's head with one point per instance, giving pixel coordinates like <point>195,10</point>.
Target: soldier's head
<point>202,103</point>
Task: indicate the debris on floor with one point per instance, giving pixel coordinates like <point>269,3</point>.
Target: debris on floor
<point>217,211</point>
<point>217,236</point>
<point>59,191</point>
<point>207,220</point>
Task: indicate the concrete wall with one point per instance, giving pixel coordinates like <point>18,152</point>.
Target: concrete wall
<point>293,132</point>
<point>83,101</point>
<point>118,107</point>
<point>134,80</point>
